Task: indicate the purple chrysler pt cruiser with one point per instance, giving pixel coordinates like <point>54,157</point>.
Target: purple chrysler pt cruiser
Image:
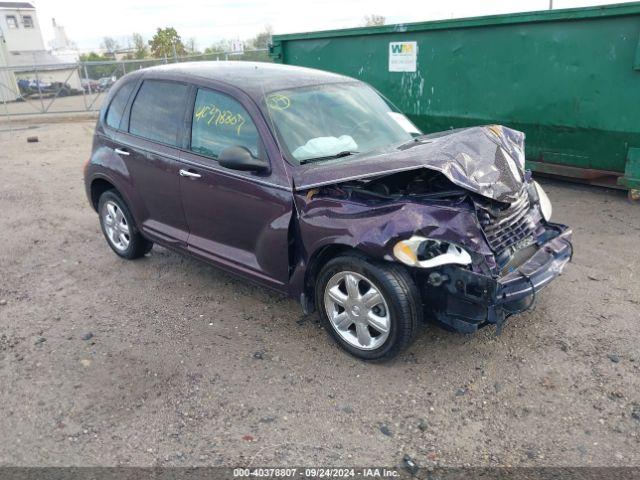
<point>315,185</point>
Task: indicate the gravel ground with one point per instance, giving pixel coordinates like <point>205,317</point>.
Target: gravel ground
<point>168,361</point>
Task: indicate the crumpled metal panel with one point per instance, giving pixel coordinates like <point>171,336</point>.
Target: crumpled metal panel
<point>373,228</point>
<point>487,160</point>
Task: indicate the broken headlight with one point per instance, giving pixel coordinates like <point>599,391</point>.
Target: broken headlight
<point>424,252</point>
<point>543,200</point>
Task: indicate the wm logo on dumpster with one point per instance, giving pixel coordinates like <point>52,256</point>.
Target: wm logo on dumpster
<point>403,56</point>
<point>402,47</point>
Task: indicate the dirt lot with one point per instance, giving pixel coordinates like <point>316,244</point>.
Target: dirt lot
<point>187,365</point>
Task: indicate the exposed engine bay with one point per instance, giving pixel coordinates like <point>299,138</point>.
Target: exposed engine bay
<point>411,184</point>
<point>510,229</point>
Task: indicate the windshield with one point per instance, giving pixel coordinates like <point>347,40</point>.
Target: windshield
<point>335,121</point>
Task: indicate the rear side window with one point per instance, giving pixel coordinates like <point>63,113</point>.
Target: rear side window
<point>219,122</point>
<point>118,104</point>
<point>158,111</point>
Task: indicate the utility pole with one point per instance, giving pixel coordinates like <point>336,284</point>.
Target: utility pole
<point>550,4</point>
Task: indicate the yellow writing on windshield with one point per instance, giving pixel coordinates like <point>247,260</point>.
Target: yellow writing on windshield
<point>212,115</point>
<point>277,101</point>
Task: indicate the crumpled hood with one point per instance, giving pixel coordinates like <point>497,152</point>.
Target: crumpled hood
<point>487,160</point>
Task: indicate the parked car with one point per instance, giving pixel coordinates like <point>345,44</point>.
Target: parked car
<point>316,186</point>
<point>32,87</point>
<point>90,85</point>
<point>105,83</point>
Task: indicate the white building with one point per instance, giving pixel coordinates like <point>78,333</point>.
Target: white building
<point>7,79</point>
<point>61,46</point>
<point>22,49</point>
<point>20,26</point>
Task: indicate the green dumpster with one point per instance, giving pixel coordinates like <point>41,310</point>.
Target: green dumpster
<point>570,79</point>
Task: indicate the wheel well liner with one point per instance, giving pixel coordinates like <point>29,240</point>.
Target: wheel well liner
<point>317,260</point>
<point>98,187</point>
<point>321,257</point>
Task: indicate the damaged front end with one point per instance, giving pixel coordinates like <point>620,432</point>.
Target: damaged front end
<point>471,224</point>
<point>466,300</point>
<point>527,253</point>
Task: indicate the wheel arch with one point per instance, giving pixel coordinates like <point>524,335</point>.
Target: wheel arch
<point>317,260</point>
<point>98,187</point>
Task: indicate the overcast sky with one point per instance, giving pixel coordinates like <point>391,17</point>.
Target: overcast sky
<point>206,21</point>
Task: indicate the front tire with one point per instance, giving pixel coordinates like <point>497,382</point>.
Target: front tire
<point>119,228</point>
<point>372,309</point>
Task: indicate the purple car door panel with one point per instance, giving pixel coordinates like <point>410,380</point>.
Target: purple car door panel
<point>239,220</point>
<point>149,149</point>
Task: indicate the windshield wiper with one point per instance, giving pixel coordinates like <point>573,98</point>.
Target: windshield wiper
<point>345,153</point>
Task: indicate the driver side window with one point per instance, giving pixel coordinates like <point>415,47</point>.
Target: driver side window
<point>219,122</point>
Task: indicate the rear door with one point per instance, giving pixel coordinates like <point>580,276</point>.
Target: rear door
<point>149,145</point>
<point>239,220</point>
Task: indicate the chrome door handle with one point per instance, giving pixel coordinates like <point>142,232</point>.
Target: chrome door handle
<point>121,152</point>
<point>187,173</point>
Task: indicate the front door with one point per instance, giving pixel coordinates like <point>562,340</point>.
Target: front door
<point>149,147</point>
<point>240,220</point>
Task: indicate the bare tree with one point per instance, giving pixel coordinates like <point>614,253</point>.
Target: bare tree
<point>110,44</point>
<point>191,46</point>
<point>374,20</point>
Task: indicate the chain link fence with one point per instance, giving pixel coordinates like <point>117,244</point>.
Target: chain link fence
<point>31,89</point>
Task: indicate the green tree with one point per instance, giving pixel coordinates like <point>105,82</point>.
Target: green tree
<point>219,47</point>
<point>139,46</point>
<point>167,43</point>
<point>97,71</point>
<point>374,20</point>
<point>262,39</point>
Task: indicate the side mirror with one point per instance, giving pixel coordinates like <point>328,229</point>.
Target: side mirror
<point>240,158</point>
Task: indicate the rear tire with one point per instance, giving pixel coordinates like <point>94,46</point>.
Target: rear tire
<point>119,228</point>
<point>372,309</point>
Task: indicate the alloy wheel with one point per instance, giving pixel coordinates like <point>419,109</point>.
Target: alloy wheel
<point>357,310</point>
<point>116,226</point>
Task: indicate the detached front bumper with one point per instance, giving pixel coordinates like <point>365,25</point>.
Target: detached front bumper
<point>466,300</point>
